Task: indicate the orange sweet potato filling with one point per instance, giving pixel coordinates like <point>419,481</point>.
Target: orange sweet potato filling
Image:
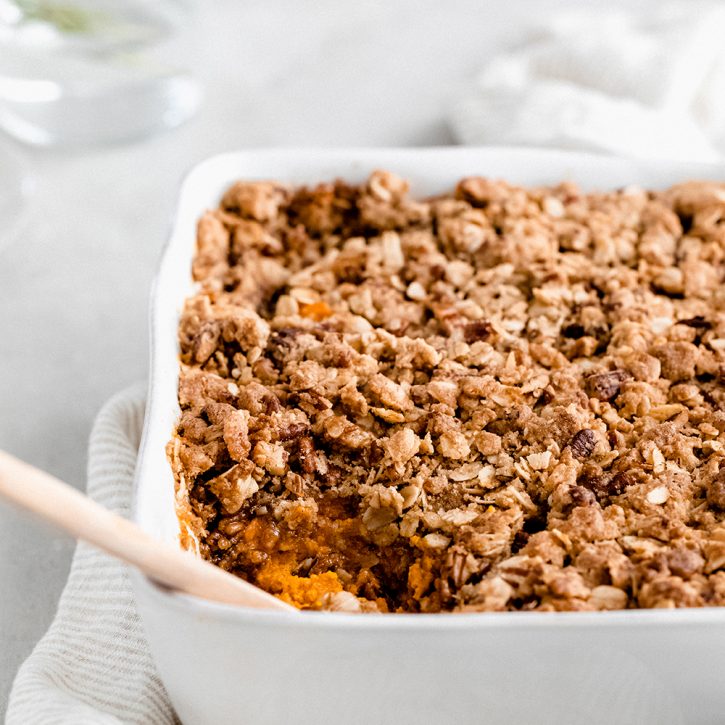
<point>301,592</point>
<point>297,564</point>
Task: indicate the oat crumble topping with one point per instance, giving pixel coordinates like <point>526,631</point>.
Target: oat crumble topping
<point>500,398</point>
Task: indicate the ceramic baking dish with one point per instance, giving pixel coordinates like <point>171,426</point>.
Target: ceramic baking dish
<point>224,665</point>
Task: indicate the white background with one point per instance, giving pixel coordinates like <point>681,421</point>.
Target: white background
<point>74,284</point>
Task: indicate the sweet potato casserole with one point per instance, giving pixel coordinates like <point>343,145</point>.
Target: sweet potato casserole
<point>498,398</point>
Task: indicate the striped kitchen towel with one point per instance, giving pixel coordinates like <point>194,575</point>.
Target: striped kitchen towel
<point>93,665</point>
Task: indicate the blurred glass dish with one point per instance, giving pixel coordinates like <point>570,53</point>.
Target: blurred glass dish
<point>87,72</point>
<point>15,187</point>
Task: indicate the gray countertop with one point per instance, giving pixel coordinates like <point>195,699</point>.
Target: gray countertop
<point>74,283</point>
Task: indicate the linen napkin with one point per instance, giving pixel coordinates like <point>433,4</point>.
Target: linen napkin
<point>93,666</point>
<point>642,85</point>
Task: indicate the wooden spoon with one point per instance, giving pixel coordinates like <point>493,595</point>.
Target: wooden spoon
<point>84,519</point>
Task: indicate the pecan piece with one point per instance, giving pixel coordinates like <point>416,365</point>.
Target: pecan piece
<point>603,484</point>
<point>605,386</point>
<point>698,322</point>
<point>620,482</point>
<point>477,330</point>
<point>294,483</point>
<point>306,454</point>
<point>583,443</point>
<point>234,486</point>
<point>291,431</point>
<point>581,496</point>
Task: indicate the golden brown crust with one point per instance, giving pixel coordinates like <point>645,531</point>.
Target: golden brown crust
<point>498,399</point>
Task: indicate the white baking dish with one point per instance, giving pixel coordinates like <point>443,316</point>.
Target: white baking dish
<point>225,665</point>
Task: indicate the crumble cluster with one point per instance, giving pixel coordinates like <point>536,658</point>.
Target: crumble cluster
<point>500,398</point>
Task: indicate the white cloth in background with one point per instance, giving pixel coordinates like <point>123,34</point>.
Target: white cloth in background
<point>93,667</point>
<point>642,85</point>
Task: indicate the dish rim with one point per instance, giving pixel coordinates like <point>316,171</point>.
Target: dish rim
<point>202,608</point>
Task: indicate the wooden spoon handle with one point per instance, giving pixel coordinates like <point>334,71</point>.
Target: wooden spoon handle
<point>84,519</point>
